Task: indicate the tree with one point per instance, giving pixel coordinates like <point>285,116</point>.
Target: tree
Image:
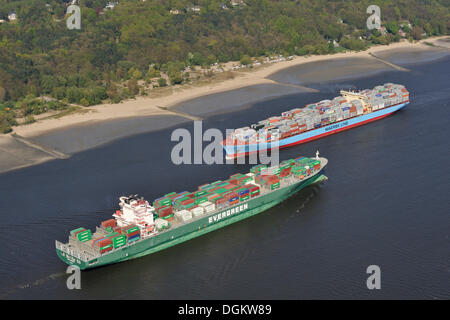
<point>2,94</point>
<point>392,27</point>
<point>133,86</point>
<point>162,82</point>
<point>353,44</point>
<point>416,33</point>
<point>176,78</point>
<point>246,60</point>
<point>84,102</point>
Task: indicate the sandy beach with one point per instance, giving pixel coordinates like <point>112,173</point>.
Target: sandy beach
<point>56,138</point>
<point>148,106</point>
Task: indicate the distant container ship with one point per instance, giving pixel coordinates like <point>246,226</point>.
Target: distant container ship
<point>139,229</point>
<point>317,120</point>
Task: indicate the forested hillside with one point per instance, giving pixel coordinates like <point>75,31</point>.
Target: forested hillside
<point>156,40</point>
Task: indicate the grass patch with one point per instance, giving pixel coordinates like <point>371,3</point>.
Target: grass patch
<point>68,111</point>
<point>29,119</point>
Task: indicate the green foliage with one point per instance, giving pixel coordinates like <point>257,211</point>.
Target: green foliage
<point>84,102</point>
<point>6,121</point>
<point>133,87</point>
<point>246,60</point>
<point>29,119</point>
<point>153,73</point>
<point>162,82</point>
<point>40,56</point>
<point>134,74</point>
<point>392,27</point>
<point>416,33</point>
<point>353,44</point>
<point>176,78</point>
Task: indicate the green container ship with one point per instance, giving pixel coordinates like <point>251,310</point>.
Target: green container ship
<point>139,229</point>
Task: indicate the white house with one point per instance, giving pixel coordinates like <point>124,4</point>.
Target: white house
<point>195,9</point>
<point>405,23</point>
<point>111,5</point>
<point>12,16</point>
<point>235,3</point>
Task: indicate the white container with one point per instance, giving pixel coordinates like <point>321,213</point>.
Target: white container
<point>197,211</point>
<point>161,223</point>
<point>180,213</point>
<point>186,216</point>
<point>205,204</point>
<point>210,208</point>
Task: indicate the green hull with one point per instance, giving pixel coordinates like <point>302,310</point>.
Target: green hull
<point>194,229</point>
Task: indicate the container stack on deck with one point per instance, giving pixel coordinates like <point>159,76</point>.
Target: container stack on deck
<point>133,223</point>
<point>316,115</point>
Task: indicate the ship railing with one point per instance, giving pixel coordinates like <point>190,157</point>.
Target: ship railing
<point>76,254</point>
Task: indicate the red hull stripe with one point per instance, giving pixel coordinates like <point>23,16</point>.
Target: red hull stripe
<point>318,136</point>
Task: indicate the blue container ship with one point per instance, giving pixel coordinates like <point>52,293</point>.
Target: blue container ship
<point>317,120</point>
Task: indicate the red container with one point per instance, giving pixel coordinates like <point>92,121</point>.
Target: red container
<point>103,242</point>
<point>95,239</point>
<point>75,234</point>
<point>128,227</point>
<point>242,179</point>
<point>163,208</point>
<point>221,201</point>
<point>317,167</point>
<point>109,223</point>
<point>133,234</point>
<point>254,194</point>
<point>185,202</point>
<point>270,178</point>
<point>118,230</point>
<point>230,195</point>
<point>106,250</point>
<point>252,188</point>
<point>165,212</point>
<point>287,170</point>
<point>233,181</point>
<point>213,197</point>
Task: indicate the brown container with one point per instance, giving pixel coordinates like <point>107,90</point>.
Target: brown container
<point>109,223</point>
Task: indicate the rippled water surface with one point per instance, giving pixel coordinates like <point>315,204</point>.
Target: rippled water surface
<point>385,203</point>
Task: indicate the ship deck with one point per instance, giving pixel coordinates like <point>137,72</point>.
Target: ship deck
<point>85,252</point>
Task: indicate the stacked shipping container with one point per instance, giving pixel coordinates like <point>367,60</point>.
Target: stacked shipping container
<point>319,114</point>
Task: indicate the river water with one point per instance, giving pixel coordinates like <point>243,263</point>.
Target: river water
<point>386,203</point>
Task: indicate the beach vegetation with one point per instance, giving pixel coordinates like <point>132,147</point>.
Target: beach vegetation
<point>246,60</point>
<point>29,119</point>
<point>141,40</point>
<point>7,121</point>
<point>162,82</point>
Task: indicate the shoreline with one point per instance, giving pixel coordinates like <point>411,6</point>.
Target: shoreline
<point>147,106</point>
